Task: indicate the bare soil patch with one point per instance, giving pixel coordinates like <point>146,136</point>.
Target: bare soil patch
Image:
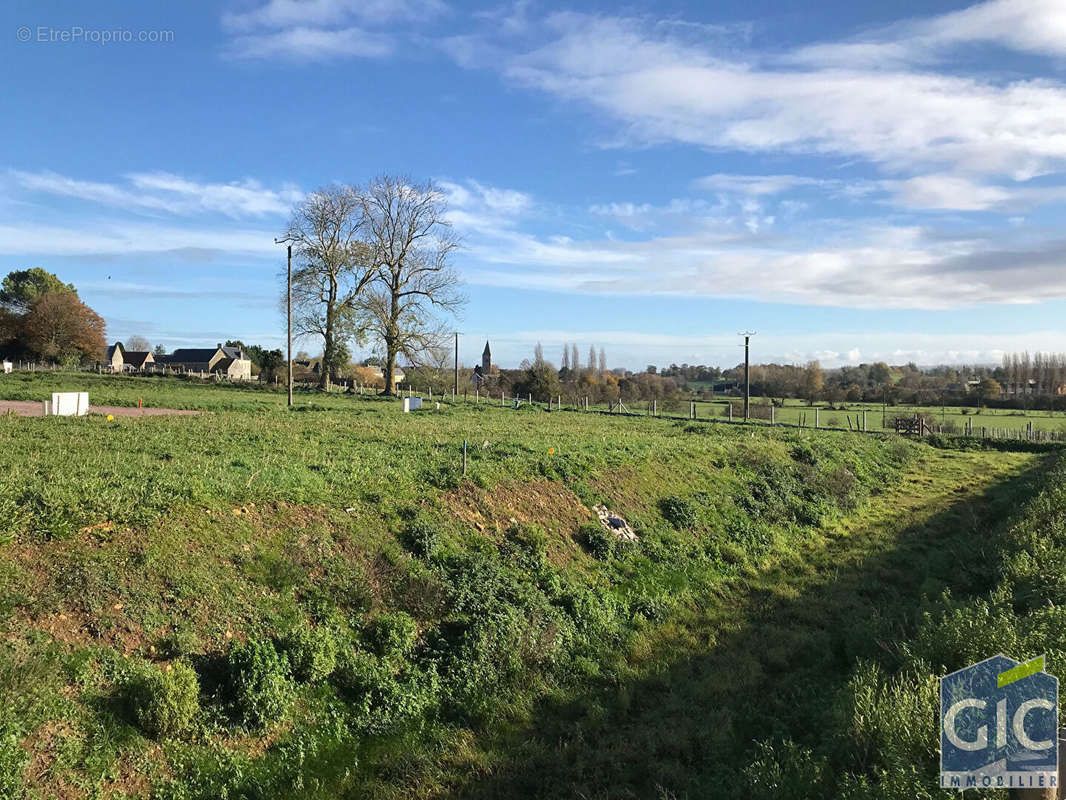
<point>552,506</point>
<point>28,408</point>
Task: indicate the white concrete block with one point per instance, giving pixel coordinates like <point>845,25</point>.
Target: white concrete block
<point>8,366</point>
<point>69,404</point>
<point>411,404</point>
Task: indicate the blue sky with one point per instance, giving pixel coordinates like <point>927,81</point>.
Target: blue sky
<point>853,181</point>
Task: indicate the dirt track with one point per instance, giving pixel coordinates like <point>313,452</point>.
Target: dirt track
<point>28,408</point>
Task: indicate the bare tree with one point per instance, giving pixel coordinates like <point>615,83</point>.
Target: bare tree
<point>409,243</point>
<point>575,362</point>
<point>592,358</point>
<point>332,271</point>
<point>603,362</point>
<point>138,344</point>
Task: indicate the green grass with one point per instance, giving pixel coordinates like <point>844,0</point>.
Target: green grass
<point>365,621</point>
<point>798,412</point>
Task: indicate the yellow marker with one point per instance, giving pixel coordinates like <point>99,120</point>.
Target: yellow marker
<point>110,417</point>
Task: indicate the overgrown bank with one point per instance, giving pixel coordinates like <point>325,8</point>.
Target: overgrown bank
<point>321,606</point>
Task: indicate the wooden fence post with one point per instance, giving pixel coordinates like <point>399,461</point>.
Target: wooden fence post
<point>772,420</point>
<point>816,417</point>
<point>864,420</point>
<point>730,411</point>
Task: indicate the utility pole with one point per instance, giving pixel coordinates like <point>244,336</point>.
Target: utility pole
<point>456,364</point>
<point>747,372</point>
<point>288,303</point>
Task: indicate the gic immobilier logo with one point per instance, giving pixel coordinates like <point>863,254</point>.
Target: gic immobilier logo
<point>999,726</point>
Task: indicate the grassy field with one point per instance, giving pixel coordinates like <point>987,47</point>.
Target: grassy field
<point>797,412</point>
<point>1002,422</point>
<point>256,602</point>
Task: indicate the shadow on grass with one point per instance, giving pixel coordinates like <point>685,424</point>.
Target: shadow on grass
<point>785,653</point>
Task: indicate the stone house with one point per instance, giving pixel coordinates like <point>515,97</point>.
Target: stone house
<point>119,359</point>
<point>230,362</point>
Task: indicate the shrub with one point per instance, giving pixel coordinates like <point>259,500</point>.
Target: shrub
<point>380,695</point>
<point>312,653</point>
<point>842,486</point>
<point>785,771</point>
<point>260,678</point>
<point>13,760</point>
<point>421,539</point>
<point>599,541</point>
<point>392,634</point>
<point>165,701</point>
<point>678,511</point>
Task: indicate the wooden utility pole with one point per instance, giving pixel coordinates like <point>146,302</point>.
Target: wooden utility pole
<point>288,304</point>
<point>747,373</point>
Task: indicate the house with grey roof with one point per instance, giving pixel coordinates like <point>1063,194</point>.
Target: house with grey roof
<point>230,362</point>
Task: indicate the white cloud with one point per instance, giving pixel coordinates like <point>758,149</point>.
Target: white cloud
<point>321,30</point>
<point>1028,26</point>
<point>320,13</point>
<point>166,192</point>
<point>754,184</point>
<point>660,83</point>
<point>122,238</point>
<point>311,44</point>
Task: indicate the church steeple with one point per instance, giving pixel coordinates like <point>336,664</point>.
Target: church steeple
<point>486,360</point>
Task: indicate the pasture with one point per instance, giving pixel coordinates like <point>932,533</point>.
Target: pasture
<point>262,602</point>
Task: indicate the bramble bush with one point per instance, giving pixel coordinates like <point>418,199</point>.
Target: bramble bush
<point>392,634</point>
<point>13,760</point>
<point>599,541</point>
<point>312,652</point>
<point>165,701</point>
<point>261,681</point>
<point>678,511</point>
<point>421,538</point>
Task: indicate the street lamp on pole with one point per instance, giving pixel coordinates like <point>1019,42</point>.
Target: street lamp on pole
<point>288,241</point>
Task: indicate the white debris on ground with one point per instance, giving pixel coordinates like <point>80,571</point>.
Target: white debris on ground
<point>615,524</point>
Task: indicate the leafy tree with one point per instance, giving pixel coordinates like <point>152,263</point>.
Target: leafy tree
<point>989,388</point>
<point>159,350</point>
<point>541,380</point>
<point>271,363</point>
<point>880,373</point>
<point>814,380</point>
<point>10,330</point>
<point>22,288</point>
<point>61,328</point>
